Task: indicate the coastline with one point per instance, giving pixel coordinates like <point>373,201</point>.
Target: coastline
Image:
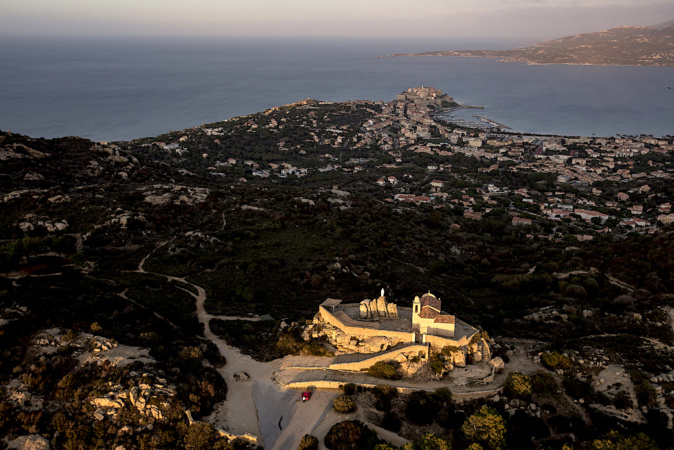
<point>527,62</point>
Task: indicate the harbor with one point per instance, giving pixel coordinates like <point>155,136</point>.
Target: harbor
<point>454,116</point>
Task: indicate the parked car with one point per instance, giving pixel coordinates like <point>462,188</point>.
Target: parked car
<point>306,395</point>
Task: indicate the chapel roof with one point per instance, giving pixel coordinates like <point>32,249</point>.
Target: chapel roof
<point>427,312</point>
<point>430,300</point>
<point>444,318</point>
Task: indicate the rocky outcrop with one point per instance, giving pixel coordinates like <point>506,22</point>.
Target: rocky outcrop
<point>32,221</point>
<point>151,400</point>
<point>348,343</point>
<point>163,194</point>
<point>29,442</point>
<point>497,363</point>
<point>246,437</point>
<point>89,348</point>
<point>378,309</point>
<point>393,311</point>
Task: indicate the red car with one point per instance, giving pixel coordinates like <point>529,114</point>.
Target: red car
<point>306,395</point>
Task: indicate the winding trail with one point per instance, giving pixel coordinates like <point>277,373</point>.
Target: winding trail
<point>238,414</point>
<point>256,404</point>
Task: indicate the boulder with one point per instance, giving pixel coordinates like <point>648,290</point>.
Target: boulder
<point>376,344</point>
<point>381,307</point>
<point>373,308</point>
<point>459,358</point>
<point>364,310</point>
<point>392,310</point>
<point>133,395</point>
<point>26,226</point>
<point>156,413</point>
<point>104,402</point>
<point>31,176</point>
<point>497,363</point>
<point>30,442</point>
<point>99,414</point>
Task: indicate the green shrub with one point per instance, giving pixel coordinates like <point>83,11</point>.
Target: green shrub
<point>344,404</point>
<point>622,400</point>
<point>349,389</point>
<point>421,407</point>
<point>577,388</point>
<point>437,366</point>
<point>385,391</point>
<point>308,442</point>
<point>646,395</point>
<point>383,404</point>
<point>384,394</point>
<point>555,360</point>
<point>518,385</point>
<point>486,426</point>
<point>350,435</point>
<point>391,422</point>
<point>443,396</point>
<point>385,369</point>
<point>544,383</point>
<point>315,348</point>
<point>430,441</point>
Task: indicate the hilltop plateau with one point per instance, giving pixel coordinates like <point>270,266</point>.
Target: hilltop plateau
<point>621,46</point>
<point>143,279</point>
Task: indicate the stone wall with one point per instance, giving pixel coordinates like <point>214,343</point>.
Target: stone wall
<point>437,342</point>
<point>338,385</point>
<point>412,350</point>
<point>458,397</point>
<point>362,331</point>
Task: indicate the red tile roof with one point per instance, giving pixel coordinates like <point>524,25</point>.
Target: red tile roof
<point>430,300</point>
<point>444,318</point>
<point>428,312</point>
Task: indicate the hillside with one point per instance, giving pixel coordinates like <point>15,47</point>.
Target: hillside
<point>553,245</point>
<point>625,46</point>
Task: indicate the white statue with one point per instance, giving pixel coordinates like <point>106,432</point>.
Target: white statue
<point>382,292</point>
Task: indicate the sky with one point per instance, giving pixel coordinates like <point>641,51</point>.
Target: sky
<point>423,19</point>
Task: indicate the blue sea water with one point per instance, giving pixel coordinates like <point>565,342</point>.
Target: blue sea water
<point>124,89</point>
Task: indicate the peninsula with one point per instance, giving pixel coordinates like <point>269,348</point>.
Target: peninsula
<point>621,46</point>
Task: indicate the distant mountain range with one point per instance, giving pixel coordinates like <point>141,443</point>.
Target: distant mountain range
<point>621,46</point>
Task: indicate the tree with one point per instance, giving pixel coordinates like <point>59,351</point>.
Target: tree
<point>615,441</point>
<point>385,446</point>
<point>308,442</point>
<point>435,219</point>
<point>443,396</point>
<point>200,435</point>
<point>428,441</point>
<point>421,408</point>
<point>391,422</point>
<point>350,435</point>
<point>486,426</point>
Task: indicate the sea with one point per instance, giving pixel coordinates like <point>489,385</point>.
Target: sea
<point>127,88</point>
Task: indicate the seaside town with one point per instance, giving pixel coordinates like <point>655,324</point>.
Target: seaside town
<point>415,152</point>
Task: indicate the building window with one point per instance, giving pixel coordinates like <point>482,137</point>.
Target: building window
<point>416,309</point>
